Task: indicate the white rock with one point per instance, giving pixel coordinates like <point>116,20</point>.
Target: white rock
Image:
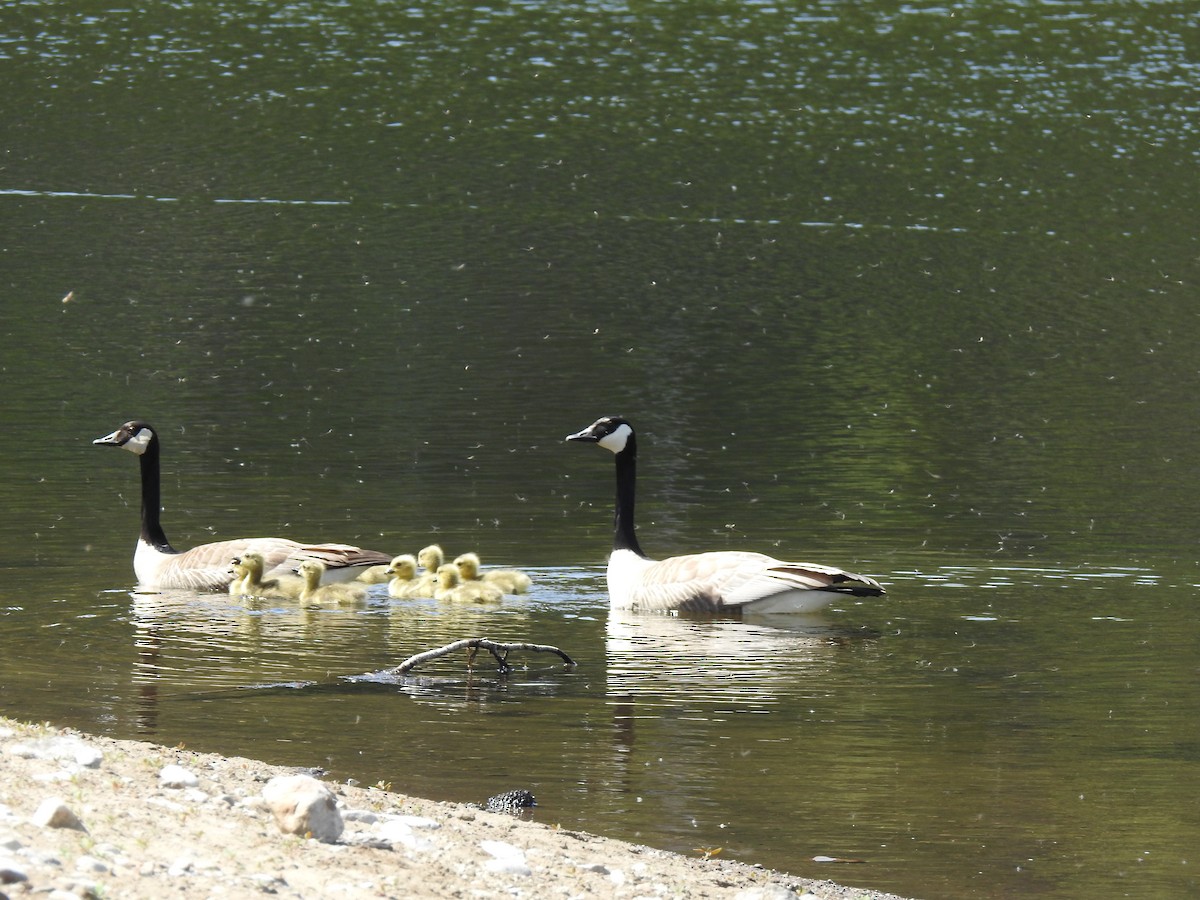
<point>164,803</point>
<point>174,776</point>
<point>54,813</point>
<point>181,866</point>
<point>194,795</point>
<point>416,821</point>
<point>11,872</point>
<point>88,757</point>
<point>506,858</point>
<point>90,864</point>
<point>767,892</point>
<point>61,746</point>
<point>397,831</point>
<point>302,805</point>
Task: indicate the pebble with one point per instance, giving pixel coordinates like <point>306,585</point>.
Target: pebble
<point>304,806</point>
<point>64,747</point>
<point>88,757</point>
<point>401,830</point>
<point>174,776</point>
<point>506,858</point>
<point>11,872</point>
<point>90,864</point>
<point>767,892</point>
<point>54,813</point>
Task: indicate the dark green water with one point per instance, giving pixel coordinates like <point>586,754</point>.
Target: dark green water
<point>906,288</point>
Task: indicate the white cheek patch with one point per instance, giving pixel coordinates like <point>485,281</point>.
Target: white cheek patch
<point>617,440</point>
<point>139,442</point>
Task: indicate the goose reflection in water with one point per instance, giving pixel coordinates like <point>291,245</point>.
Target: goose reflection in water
<point>187,641</point>
<point>663,665</point>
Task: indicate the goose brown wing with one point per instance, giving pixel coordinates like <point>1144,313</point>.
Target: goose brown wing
<point>732,579</point>
<point>209,567</point>
<point>342,561</point>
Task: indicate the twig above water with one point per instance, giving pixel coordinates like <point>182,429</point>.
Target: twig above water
<point>498,650</point>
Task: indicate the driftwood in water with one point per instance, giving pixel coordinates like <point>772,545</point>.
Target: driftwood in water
<point>498,650</point>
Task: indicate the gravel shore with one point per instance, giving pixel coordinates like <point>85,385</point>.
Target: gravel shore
<point>88,816</point>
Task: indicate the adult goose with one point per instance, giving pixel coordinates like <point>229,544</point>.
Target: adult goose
<point>720,581</point>
<point>158,565</point>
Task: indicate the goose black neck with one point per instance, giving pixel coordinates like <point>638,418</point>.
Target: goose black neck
<point>152,532</point>
<point>624,535</point>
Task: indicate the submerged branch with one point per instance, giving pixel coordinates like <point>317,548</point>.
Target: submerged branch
<point>498,650</point>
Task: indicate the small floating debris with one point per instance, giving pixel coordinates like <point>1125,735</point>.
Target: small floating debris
<point>837,859</point>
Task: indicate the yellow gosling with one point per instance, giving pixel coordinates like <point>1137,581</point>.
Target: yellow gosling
<point>249,582</point>
<point>431,558</point>
<point>375,575</point>
<point>452,588</point>
<point>403,577</point>
<point>311,571</point>
<point>510,581</point>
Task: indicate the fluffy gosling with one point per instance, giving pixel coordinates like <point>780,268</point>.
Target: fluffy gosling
<point>431,558</point>
<point>404,581</point>
<point>313,591</point>
<point>510,581</point>
<point>248,580</point>
<point>452,588</point>
<point>374,575</point>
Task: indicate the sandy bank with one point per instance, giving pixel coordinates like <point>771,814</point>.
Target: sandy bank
<point>123,832</point>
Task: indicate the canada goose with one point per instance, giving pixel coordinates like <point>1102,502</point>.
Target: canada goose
<point>313,591</point>
<point>716,581</point>
<point>206,568</point>
<point>511,581</point>
<point>403,575</point>
<point>451,587</point>
<point>248,580</point>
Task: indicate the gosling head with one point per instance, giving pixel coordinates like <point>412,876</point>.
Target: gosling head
<point>403,566</point>
<point>311,570</point>
<point>431,557</point>
<point>448,576</point>
<point>468,566</point>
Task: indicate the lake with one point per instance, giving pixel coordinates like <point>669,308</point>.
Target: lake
<point>904,288</point>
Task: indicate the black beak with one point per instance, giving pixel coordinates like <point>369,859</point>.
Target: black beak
<point>586,435</point>
<point>116,439</point>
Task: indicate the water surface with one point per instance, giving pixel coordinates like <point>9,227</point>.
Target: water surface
<point>903,288</point>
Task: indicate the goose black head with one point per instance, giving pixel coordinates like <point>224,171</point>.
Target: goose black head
<point>610,432</point>
<point>135,436</point>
